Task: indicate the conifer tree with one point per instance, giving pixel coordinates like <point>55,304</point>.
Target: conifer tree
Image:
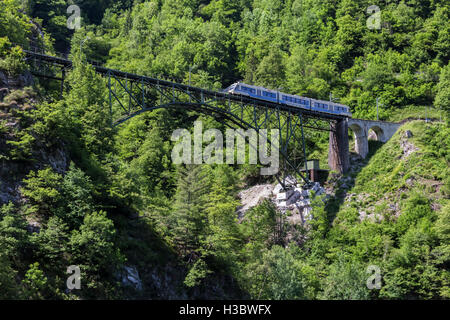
<point>190,218</point>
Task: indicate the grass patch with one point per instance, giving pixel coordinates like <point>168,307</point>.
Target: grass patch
<point>415,112</point>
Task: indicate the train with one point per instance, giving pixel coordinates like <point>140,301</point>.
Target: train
<point>240,88</point>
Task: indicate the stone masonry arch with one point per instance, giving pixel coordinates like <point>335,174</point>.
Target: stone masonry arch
<point>360,135</point>
<point>383,130</point>
<point>379,133</point>
<point>338,156</point>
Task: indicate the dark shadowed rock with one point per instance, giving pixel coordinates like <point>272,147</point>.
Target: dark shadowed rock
<point>3,80</point>
<point>408,134</point>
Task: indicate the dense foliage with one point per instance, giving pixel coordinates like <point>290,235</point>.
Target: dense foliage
<point>187,228</point>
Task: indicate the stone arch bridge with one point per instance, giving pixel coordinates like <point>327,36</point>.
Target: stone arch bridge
<point>338,157</point>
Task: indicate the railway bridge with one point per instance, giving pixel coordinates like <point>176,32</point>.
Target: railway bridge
<point>131,95</point>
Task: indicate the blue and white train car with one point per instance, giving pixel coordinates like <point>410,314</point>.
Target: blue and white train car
<point>253,91</point>
<point>288,99</point>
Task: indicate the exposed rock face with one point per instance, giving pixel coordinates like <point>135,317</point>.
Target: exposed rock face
<point>34,227</point>
<point>253,196</point>
<point>130,277</point>
<point>296,199</point>
<point>23,80</point>
<point>407,147</point>
<point>42,155</point>
<point>3,80</point>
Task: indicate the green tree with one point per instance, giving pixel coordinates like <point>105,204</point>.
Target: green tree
<point>10,289</point>
<point>35,283</point>
<point>42,188</point>
<point>93,249</point>
<point>283,276</point>
<point>87,111</point>
<point>346,280</point>
<point>76,197</point>
<point>189,219</point>
<point>442,99</point>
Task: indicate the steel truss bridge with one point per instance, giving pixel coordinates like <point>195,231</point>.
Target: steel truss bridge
<point>131,95</point>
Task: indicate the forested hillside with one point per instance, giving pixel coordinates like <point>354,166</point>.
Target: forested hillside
<point>76,191</point>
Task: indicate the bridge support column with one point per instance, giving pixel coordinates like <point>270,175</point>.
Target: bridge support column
<point>362,142</point>
<point>338,155</point>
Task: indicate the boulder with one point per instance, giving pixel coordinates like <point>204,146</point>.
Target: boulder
<point>278,188</point>
<point>285,195</point>
<point>131,278</point>
<point>34,227</point>
<point>290,181</point>
<point>293,198</point>
<point>282,204</point>
<point>3,93</point>
<point>408,134</point>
